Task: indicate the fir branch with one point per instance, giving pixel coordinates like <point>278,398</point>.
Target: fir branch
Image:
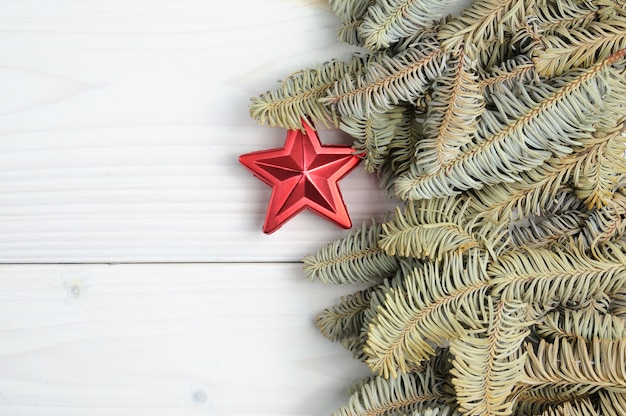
<point>389,81</point>
<point>441,363</point>
<point>611,403</point>
<point>354,258</point>
<point>428,230</point>
<point>512,72</point>
<point>527,38</point>
<point>488,363</point>
<point>300,95</point>
<point>617,306</point>
<point>548,278</point>
<point>358,386</point>
<point>599,304</point>
<point>609,9</point>
<point>587,324</point>
<point>424,34</point>
<point>452,116</point>
<point>544,232</point>
<point>605,224</point>
<point>401,151</point>
<point>493,52</point>
<point>374,135</point>
<point>598,178</point>
<point>537,188</point>
<point>346,319</point>
<point>406,393</point>
<point>576,363</point>
<point>349,33</point>
<point>555,17</point>
<point>580,47</point>
<point>485,21</point>
<point>355,346</point>
<point>439,411</point>
<point>545,125</point>
<point>351,13</point>
<point>560,220</point>
<point>425,311</point>
<point>536,400</point>
<point>350,10</point>
<point>388,21</point>
<point>576,408</point>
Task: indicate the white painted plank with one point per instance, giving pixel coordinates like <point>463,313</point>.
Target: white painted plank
<point>167,340</point>
<point>121,123</point>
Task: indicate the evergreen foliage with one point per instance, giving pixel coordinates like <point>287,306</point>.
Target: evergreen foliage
<point>498,287</point>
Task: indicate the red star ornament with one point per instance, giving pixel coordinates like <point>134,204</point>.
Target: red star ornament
<point>303,174</point>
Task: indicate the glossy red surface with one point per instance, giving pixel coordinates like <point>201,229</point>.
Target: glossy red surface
<point>303,174</point>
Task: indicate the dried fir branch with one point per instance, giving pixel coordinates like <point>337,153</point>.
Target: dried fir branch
<point>581,47</point>
<point>439,411</point>
<point>537,400</point>
<point>411,392</point>
<point>373,135</point>
<point>488,362</point>
<point>546,232</point>
<point>575,408</point>
<point>599,304</point>
<point>617,306</point>
<point>426,230</point>
<point>506,148</point>
<point>605,224</point>
<point>556,276</point>
<point>352,14</point>
<point>403,78</point>
<point>388,21</point>
<point>452,117</point>
<point>559,221</point>
<point>402,151</point>
<point>345,320</point>
<point>411,41</point>
<point>354,258</point>
<point>349,33</point>
<point>611,403</point>
<point>525,40</point>
<point>501,127</point>
<point>349,10</point>
<point>586,324</point>
<point>300,95</point>
<point>589,366</point>
<point>610,8</point>
<point>537,188</point>
<point>484,21</point>
<point>508,74</point>
<point>355,346</point>
<point>601,173</point>
<point>424,312</point>
<point>555,17</point>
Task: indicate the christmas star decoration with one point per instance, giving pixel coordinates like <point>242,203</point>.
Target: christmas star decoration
<point>303,175</point>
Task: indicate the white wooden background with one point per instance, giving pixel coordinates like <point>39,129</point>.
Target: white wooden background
<point>134,276</point>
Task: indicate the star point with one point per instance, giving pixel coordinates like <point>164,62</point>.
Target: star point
<point>303,174</point>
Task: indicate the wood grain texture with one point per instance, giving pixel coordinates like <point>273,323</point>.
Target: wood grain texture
<point>192,339</point>
<point>121,123</point>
